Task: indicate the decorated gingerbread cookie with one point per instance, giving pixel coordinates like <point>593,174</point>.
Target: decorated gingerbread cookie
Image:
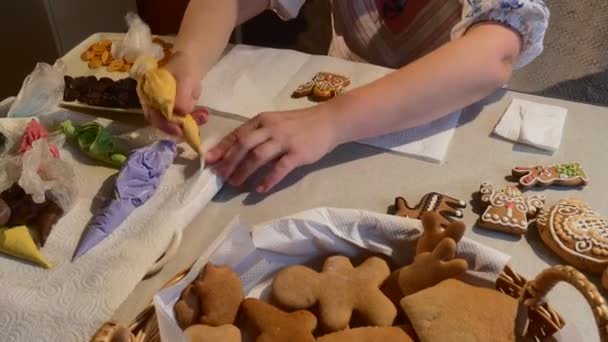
<point>508,210</point>
<point>577,234</point>
<point>324,86</point>
<point>570,174</point>
<point>448,207</point>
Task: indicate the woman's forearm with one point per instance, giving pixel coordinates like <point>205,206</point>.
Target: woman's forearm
<point>208,24</point>
<point>452,77</point>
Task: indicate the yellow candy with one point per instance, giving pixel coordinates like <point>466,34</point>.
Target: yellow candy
<point>18,242</point>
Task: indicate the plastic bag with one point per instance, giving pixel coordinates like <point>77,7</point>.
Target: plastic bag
<point>39,173</point>
<point>41,92</point>
<point>137,41</point>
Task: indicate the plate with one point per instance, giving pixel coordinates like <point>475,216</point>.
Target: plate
<point>75,67</point>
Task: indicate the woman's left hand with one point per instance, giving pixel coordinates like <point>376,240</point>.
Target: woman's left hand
<point>290,139</point>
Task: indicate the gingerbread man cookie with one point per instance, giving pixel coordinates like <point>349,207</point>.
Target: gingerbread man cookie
<point>448,207</point>
<point>577,234</point>
<point>324,86</point>
<point>508,209</point>
<point>570,174</point>
<point>274,325</point>
<point>339,290</point>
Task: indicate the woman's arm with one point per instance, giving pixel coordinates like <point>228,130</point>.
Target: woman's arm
<point>454,76</point>
<point>450,78</point>
<point>203,35</point>
<point>207,25</point>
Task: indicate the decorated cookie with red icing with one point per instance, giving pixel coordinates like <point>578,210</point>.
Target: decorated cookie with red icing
<point>569,174</point>
<point>508,210</point>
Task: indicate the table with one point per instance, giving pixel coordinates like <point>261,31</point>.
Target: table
<point>359,176</point>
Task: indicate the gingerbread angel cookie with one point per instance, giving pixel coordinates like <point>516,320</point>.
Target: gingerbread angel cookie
<point>570,174</point>
<point>448,207</point>
<point>324,86</point>
<point>577,234</point>
<point>508,210</point>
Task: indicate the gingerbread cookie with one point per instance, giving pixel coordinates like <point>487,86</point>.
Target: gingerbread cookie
<point>570,174</point>
<point>431,268</point>
<point>213,299</point>
<point>339,290</point>
<point>368,334</point>
<point>205,333</point>
<point>448,207</point>
<point>324,86</point>
<point>577,234</point>
<point>455,311</point>
<point>508,209</point>
<point>433,233</point>
<point>274,325</point>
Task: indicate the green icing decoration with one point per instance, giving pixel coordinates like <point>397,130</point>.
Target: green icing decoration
<point>95,141</point>
<point>572,169</point>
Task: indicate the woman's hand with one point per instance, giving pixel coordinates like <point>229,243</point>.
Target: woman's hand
<point>188,77</point>
<point>290,139</point>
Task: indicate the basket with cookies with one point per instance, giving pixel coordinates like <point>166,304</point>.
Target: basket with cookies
<point>334,275</point>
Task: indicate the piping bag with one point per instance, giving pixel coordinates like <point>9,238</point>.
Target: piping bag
<point>156,89</point>
<point>137,182</point>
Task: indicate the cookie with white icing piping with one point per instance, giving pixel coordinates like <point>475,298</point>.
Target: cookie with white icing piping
<point>447,207</point>
<point>569,174</point>
<point>324,86</point>
<point>508,210</point>
<point>579,235</point>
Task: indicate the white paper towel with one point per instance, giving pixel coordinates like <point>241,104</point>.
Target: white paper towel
<point>71,301</point>
<point>257,253</point>
<point>534,124</point>
<point>234,86</point>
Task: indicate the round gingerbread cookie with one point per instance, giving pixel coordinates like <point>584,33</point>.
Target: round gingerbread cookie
<point>576,233</point>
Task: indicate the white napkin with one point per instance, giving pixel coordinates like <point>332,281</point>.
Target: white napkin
<point>234,87</point>
<point>71,301</point>
<point>257,253</point>
<point>531,123</point>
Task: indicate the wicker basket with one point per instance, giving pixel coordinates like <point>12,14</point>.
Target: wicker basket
<point>541,322</point>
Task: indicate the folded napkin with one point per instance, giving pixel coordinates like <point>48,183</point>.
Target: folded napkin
<point>533,124</point>
<point>234,87</point>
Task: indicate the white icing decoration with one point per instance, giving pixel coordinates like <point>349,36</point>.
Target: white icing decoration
<point>581,224</point>
<point>458,213</point>
<point>495,217</point>
<point>504,219</point>
<point>462,203</point>
<point>514,220</point>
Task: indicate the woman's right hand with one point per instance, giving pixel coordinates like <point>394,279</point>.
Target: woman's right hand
<point>187,74</point>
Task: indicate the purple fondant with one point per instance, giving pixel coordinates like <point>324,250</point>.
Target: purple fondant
<point>136,183</point>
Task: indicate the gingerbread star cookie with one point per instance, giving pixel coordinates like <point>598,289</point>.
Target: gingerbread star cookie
<point>368,334</point>
<point>456,311</point>
<point>324,86</point>
<point>448,207</point>
<point>577,234</point>
<point>508,210</point>
<point>274,325</point>
<point>570,174</point>
<point>339,290</point>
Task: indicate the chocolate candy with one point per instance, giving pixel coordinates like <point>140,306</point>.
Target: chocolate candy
<point>5,213</point>
<point>103,92</point>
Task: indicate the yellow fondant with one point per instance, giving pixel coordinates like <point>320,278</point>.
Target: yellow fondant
<point>18,242</point>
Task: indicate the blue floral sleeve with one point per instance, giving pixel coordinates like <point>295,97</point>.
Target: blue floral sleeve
<point>528,17</point>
